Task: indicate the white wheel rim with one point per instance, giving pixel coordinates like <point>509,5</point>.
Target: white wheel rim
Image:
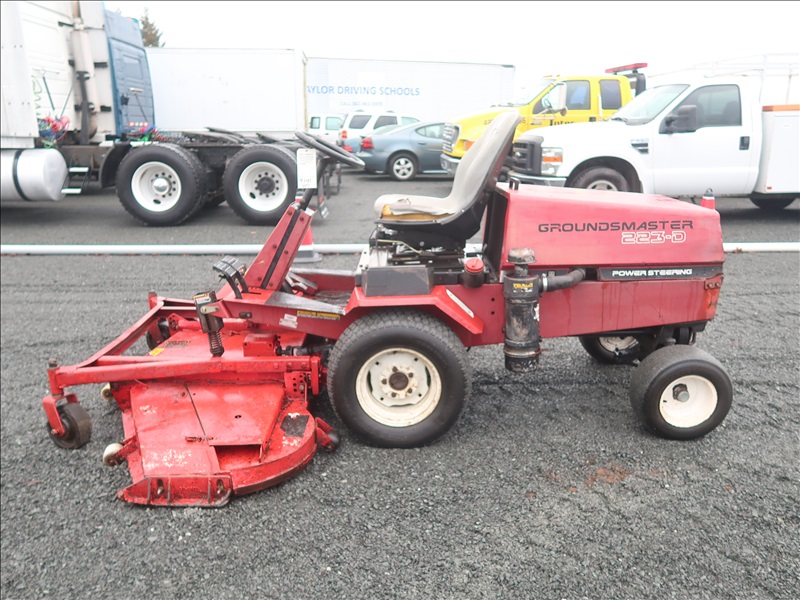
<point>398,387</point>
<point>617,344</point>
<point>688,401</point>
<point>602,184</point>
<point>156,186</point>
<point>266,195</point>
<point>403,168</point>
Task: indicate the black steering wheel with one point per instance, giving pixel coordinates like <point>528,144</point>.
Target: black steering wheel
<point>333,151</point>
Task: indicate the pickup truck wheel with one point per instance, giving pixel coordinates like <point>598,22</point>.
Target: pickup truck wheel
<point>681,392</point>
<point>601,178</point>
<point>260,182</point>
<point>398,378</point>
<point>403,167</point>
<point>772,202</point>
<point>161,184</point>
<point>617,350</point>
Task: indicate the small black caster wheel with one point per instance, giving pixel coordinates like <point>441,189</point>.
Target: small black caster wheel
<point>77,425</point>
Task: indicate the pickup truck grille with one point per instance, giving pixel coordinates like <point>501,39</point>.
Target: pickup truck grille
<point>526,156</point>
<point>450,138</point>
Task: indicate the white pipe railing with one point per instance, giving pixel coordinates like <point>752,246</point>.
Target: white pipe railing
<point>253,249</point>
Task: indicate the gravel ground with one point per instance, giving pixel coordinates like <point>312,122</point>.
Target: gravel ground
<point>547,487</point>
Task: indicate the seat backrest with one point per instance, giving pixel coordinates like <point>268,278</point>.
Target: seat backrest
<point>458,216</point>
<point>481,164</point>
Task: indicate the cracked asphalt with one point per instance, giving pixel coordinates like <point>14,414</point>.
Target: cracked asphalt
<point>547,487</point>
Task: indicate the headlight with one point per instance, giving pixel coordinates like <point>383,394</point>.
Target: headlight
<point>551,160</point>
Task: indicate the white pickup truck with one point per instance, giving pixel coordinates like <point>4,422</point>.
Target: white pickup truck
<point>684,138</point>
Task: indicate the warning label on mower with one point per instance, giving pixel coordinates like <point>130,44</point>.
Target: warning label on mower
<point>313,314</point>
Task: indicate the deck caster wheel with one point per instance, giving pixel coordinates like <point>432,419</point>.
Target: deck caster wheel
<point>110,454</point>
<point>334,438</point>
<point>106,393</point>
<point>77,425</point>
<point>681,392</point>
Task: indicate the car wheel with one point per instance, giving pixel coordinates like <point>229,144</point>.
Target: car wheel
<point>772,203</point>
<point>601,178</point>
<point>403,167</point>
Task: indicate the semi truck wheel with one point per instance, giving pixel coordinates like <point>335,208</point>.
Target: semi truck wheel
<point>601,178</point>
<point>617,350</point>
<point>681,392</point>
<point>260,182</point>
<point>403,167</point>
<point>398,379</point>
<point>161,184</point>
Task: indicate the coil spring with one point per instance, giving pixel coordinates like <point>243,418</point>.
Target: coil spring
<point>215,343</point>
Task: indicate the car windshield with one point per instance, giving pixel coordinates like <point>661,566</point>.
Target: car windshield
<point>530,93</point>
<point>648,105</point>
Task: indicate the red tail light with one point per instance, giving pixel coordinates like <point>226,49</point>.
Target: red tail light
<point>344,134</point>
<point>366,144</point>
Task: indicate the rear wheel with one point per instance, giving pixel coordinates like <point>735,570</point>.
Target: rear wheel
<point>403,167</point>
<point>681,392</point>
<point>161,184</point>
<point>777,202</point>
<point>260,182</point>
<point>601,178</point>
<point>617,350</point>
<point>398,379</point>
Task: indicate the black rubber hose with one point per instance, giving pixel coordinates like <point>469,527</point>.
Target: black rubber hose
<point>560,282</point>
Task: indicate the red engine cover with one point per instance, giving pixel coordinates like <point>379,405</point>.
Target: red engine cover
<point>569,227</point>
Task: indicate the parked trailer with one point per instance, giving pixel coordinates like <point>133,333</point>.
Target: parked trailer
<point>78,104</point>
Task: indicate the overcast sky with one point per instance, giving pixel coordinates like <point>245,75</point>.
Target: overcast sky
<point>538,38</point>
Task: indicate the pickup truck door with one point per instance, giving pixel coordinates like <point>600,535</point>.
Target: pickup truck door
<point>583,99</point>
<point>721,155</point>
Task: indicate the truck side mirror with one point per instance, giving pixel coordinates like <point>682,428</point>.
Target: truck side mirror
<point>683,120</point>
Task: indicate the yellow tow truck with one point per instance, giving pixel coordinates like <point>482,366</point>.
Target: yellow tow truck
<point>554,100</point>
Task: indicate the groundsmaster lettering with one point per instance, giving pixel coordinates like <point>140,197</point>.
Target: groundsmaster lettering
<point>615,226</point>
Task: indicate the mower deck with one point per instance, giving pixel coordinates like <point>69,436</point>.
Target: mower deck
<point>199,430</point>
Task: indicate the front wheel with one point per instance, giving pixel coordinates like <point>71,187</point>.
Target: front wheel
<point>403,167</point>
<point>260,182</point>
<point>681,392</point>
<point>161,184</point>
<point>398,379</point>
<point>601,178</point>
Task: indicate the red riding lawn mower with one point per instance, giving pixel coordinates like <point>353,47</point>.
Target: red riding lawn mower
<point>219,406</point>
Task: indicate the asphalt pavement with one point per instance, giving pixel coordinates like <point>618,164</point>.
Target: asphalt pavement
<point>547,487</point>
